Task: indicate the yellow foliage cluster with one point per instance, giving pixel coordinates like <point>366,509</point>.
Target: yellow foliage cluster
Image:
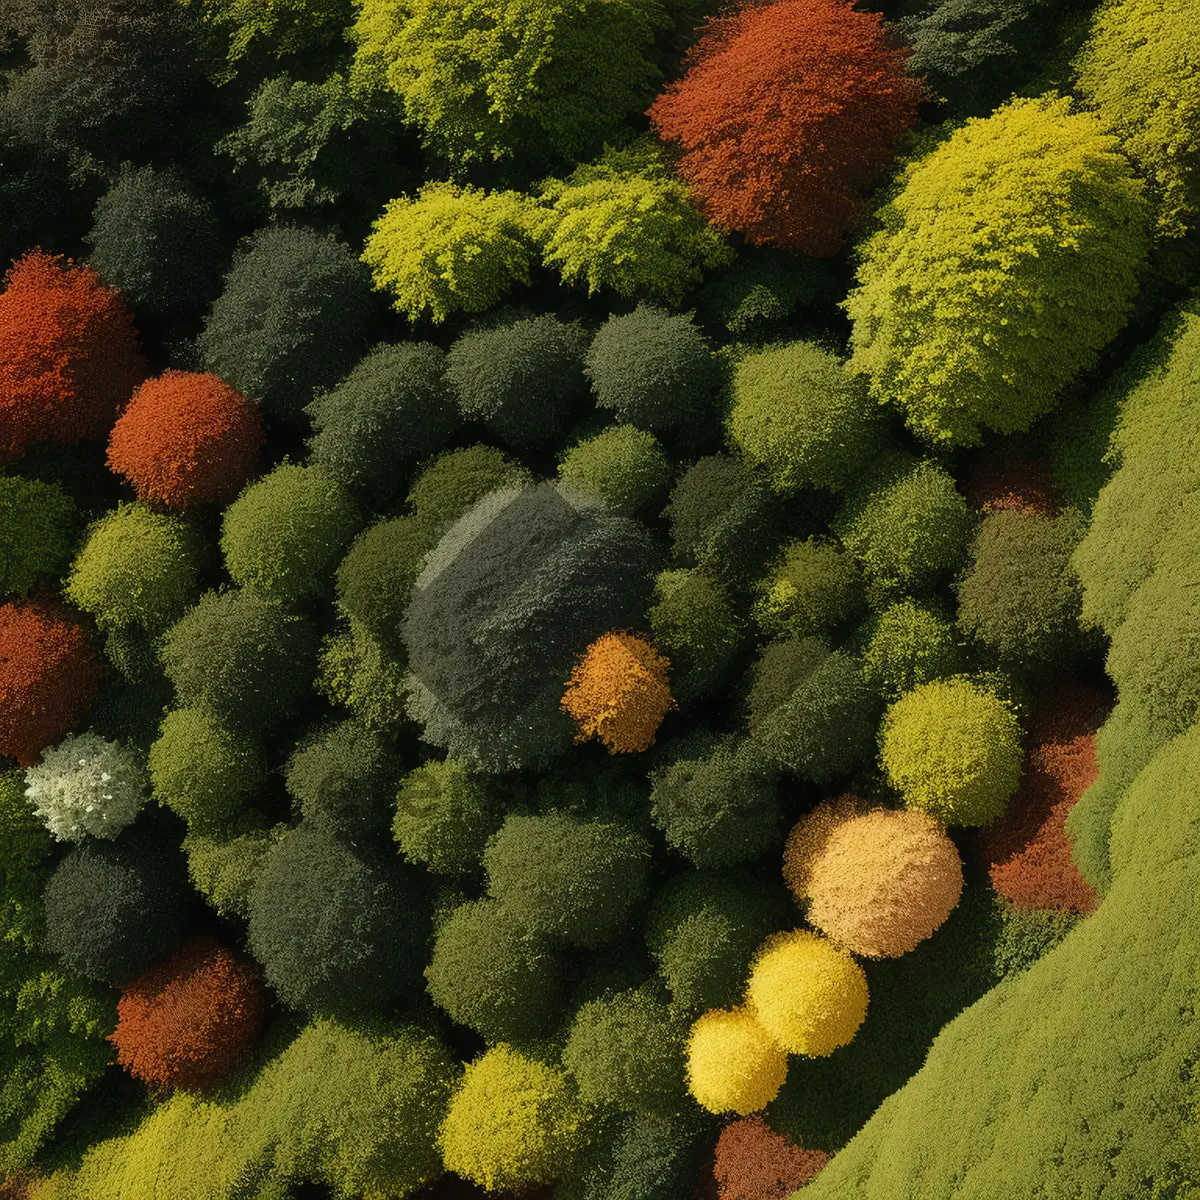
<point>877,881</point>
<point>619,692</point>
<point>805,996</point>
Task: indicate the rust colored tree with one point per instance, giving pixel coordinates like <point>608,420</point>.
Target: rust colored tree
<point>786,112</point>
<point>619,693</point>
<point>68,354</point>
<point>188,1022</point>
<point>186,438</point>
<point>49,677</point>
<point>1027,854</point>
<point>755,1163</point>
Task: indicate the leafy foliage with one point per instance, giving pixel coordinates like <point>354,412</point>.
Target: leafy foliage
<point>186,438</point>
<point>115,908</point>
<point>521,378</point>
<point>498,80</point>
<point>953,749</point>
<point>621,470</point>
<point>798,415</point>
<point>361,955</point>
<point>655,370</point>
<point>391,411</point>
<point>295,314</point>
<point>68,354</point>
<point>38,529</point>
<point>444,817</point>
<point>86,785</point>
<point>1035,301</point>
<point>781,163</point>
<point>450,249</point>
<point>625,224</point>
<point>282,536</point>
<point>734,1064</point>
<point>244,656</point>
<point>698,629</point>
<point>1134,70</point>
<point>137,567</point>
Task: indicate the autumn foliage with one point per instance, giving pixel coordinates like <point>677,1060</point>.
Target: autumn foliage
<point>619,693</point>
<point>188,1022</point>
<point>68,354</point>
<point>756,1163</point>
<point>49,677</point>
<point>186,438</point>
<point>1027,854</point>
<point>878,881</point>
<point>786,112</point>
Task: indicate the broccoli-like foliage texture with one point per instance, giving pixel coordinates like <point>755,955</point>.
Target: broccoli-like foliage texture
<point>1135,70</point>
<point>137,566</point>
<point>247,658</point>
<point>342,777</point>
<point>717,805</point>
<point>284,534</point>
<point>490,973</point>
<point>802,417</point>
<point>812,589</point>
<point>626,1050</point>
<point>697,628</point>
<point>310,145</point>
<point>619,693</point>
<point>295,315</point>
<point>445,814</point>
<point>702,931</point>
<point>189,1022</point>
<point>621,471</point>
<point>450,249</point>
<point>104,81</point>
<point>522,378</point>
<point>86,786</point>
<point>786,113</point>
<point>537,82</point>
<point>567,878</point>
<point>909,643</point>
<point>654,369</point>
<point>811,711</point>
<point>810,996</point>
<point>362,954</point>
<point>1035,299</point>
<point>513,593</point>
<point>389,413</point>
<point>953,748</point>
<point>625,224</point>
<point>186,438</point>
<point>49,677</point>
<point>39,526</point>
<point>514,1121</point>
<point>733,1063</point>
<point>156,242</point>
<point>452,482</point>
<point>1019,595</point>
<point>722,519</point>
<point>905,521</point>
<point>202,769</point>
<point>113,909</point>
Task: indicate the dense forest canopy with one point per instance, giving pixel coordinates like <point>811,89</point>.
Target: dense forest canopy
<point>598,599</point>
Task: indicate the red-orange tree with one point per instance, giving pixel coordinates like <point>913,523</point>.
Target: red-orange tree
<point>48,677</point>
<point>753,1162</point>
<point>188,1022</point>
<point>68,354</point>
<point>186,437</point>
<point>786,112</point>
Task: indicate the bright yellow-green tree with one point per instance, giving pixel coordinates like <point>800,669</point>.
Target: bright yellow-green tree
<point>1140,69</point>
<point>1005,262</point>
<point>451,249</point>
